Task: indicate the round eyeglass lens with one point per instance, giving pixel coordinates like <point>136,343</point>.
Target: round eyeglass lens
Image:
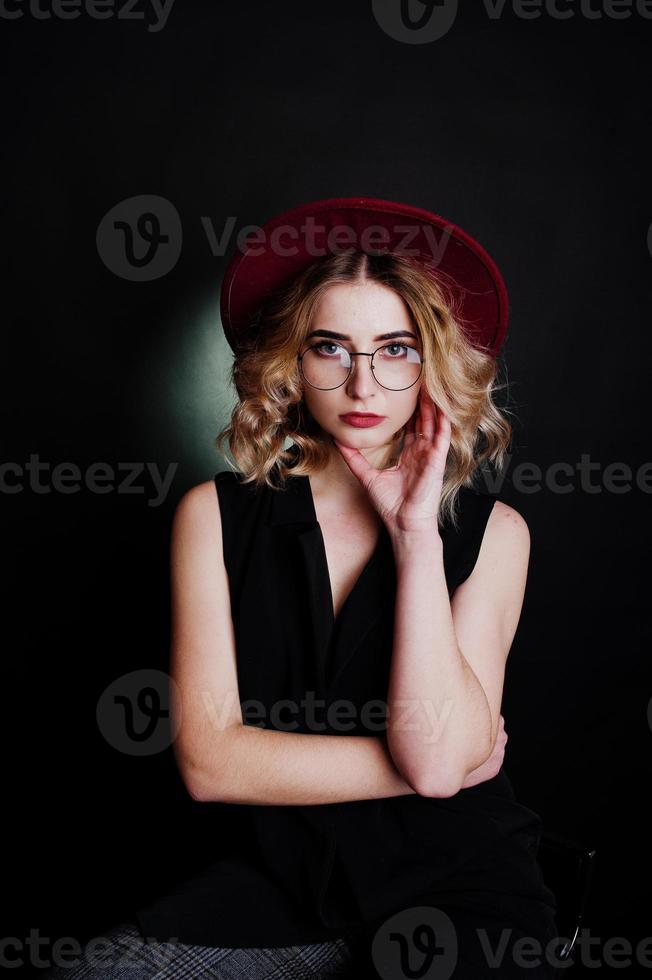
<point>395,366</point>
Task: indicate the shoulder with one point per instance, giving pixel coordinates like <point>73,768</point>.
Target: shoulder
<point>507,530</point>
<point>504,550</point>
<point>199,497</point>
<point>497,580</point>
<point>198,511</point>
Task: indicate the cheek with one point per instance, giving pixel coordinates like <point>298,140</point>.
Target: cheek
<point>409,407</point>
<point>314,401</point>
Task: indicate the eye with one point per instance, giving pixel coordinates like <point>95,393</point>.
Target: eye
<point>395,351</point>
<point>320,348</point>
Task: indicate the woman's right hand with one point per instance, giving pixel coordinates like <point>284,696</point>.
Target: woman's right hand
<point>493,764</point>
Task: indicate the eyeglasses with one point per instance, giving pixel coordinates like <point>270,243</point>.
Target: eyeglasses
<point>394,366</point>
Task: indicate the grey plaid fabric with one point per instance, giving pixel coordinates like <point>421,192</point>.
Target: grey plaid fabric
<point>127,955</point>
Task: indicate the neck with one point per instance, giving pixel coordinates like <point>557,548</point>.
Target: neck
<point>336,481</point>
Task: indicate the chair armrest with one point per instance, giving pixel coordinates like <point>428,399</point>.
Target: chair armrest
<point>567,867</point>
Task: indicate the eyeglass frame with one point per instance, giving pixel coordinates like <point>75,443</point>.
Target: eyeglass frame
<point>353,354</point>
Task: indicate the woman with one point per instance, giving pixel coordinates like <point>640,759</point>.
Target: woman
<point>368,589</point>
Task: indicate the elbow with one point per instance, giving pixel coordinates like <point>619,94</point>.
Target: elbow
<point>445,783</point>
<point>437,786</point>
<point>201,785</point>
<point>437,782</point>
<point>197,785</point>
<point>205,787</point>
<point>195,788</point>
<point>193,793</point>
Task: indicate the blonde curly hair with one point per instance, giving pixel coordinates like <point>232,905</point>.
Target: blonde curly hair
<point>458,376</point>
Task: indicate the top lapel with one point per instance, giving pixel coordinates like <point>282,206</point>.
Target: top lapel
<point>292,510</point>
<point>372,599</point>
<point>333,643</point>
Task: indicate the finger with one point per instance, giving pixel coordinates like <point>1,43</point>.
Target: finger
<point>408,438</point>
<point>411,427</point>
<point>356,463</point>
<point>428,415</point>
<point>443,436</point>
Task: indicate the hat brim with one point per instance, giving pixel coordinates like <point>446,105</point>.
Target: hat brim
<point>288,243</point>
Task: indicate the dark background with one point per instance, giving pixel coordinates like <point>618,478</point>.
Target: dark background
<point>533,135</point>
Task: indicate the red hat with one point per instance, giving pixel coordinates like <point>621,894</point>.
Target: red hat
<point>287,244</point>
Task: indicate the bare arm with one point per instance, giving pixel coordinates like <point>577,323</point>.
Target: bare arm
<point>449,656</point>
<point>269,767</point>
<point>219,758</point>
<point>439,723</point>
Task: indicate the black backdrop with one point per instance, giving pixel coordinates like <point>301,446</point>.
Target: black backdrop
<point>533,133</point>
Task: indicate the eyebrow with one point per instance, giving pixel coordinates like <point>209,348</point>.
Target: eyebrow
<point>332,335</point>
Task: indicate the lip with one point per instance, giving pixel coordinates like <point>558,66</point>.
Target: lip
<point>362,420</point>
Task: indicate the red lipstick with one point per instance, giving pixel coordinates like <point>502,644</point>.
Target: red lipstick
<point>362,420</point>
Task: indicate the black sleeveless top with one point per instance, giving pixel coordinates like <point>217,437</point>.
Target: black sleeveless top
<point>314,872</point>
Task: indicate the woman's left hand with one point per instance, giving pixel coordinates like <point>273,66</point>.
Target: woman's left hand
<point>407,495</point>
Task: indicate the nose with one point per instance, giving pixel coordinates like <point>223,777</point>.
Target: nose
<point>361,382</point>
